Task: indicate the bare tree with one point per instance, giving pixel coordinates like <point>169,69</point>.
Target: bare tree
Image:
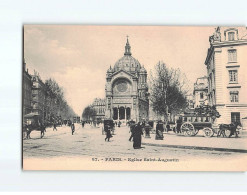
<point>168,90</point>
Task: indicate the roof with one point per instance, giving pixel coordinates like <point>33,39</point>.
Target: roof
<point>127,62</point>
<point>31,115</point>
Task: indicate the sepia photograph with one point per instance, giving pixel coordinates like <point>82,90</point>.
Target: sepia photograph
<point>134,98</point>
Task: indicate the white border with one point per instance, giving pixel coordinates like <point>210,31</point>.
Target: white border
<point>13,14</point>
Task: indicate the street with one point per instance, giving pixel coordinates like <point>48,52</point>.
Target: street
<point>88,145</point>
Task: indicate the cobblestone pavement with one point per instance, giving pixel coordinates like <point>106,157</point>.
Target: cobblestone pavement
<point>89,142</point>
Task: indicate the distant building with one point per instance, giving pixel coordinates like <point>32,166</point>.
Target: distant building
<point>99,107</point>
<point>26,90</point>
<point>226,63</point>
<point>38,96</point>
<point>200,92</point>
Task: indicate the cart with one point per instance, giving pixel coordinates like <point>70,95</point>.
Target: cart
<point>109,122</point>
<point>192,124</point>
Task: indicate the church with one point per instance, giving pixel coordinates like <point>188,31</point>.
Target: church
<point>126,89</point>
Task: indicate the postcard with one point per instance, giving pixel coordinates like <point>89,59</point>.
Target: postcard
<point>134,98</point>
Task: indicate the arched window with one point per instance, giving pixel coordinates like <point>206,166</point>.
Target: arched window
<point>201,95</point>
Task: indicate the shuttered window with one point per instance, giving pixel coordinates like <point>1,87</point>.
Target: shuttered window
<point>231,36</point>
<point>235,117</point>
<point>234,96</point>
<point>232,55</point>
<point>233,76</point>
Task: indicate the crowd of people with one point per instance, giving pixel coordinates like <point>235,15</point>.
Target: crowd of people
<point>137,130</point>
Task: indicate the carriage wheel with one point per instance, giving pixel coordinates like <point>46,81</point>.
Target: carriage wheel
<point>196,132</point>
<point>188,129</point>
<point>208,132</point>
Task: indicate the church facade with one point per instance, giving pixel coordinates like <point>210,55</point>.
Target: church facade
<point>126,89</point>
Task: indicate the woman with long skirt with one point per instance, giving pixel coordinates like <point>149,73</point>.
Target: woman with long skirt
<point>137,136</point>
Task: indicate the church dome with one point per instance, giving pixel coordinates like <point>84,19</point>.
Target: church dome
<point>127,62</point>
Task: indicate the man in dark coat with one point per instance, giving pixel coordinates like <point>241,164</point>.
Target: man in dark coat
<point>42,130</point>
<point>108,132</point>
<point>137,136</point>
<point>54,126</point>
<point>179,124</point>
<point>159,131</point>
<point>72,128</point>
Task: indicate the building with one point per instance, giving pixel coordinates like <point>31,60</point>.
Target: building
<point>190,101</point>
<point>26,90</point>
<point>126,89</point>
<point>99,106</point>
<point>200,91</point>
<point>38,96</point>
<point>226,63</point>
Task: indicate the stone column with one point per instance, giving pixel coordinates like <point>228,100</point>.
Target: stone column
<point>118,113</point>
<point>125,114</point>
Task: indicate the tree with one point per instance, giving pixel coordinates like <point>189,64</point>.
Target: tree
<point>168,90</point>
<point>55,102</point>
<point>89,113</point>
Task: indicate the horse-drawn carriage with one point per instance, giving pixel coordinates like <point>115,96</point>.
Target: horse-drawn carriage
<point>32,122</point>
<point>191,124</point>
<point>110,123</point>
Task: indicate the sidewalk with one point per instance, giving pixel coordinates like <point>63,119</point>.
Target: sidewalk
<point>199,142</point>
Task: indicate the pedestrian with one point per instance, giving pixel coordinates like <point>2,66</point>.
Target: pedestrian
<point>54,126</point>
<point>29,130</point>
<point>159,131</point>
<point>137,136</point>
<point>108,132</point>
<point>42,130</point>
<point>132,127</point>
<point>179,124</point>
<point>147,130</point>
<point>168,127</point>
<point>72,128</point>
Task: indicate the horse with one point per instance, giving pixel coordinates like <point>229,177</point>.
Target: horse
<point>231,127</point>
<point>30,128</point>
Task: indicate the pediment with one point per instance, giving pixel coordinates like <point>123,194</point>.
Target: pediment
<point>123,73</point>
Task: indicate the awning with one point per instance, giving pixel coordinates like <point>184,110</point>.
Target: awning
<point>31,115</point>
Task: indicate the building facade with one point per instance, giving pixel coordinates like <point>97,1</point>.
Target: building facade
<point>38,96</point>
<point>226,63</point>
<point>190,101</point>
<point>99,106</point>
<point>200,91</point>
<point>126,89</point>
<point>26,90</point>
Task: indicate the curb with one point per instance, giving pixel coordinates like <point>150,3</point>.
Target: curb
<point>197,148</point>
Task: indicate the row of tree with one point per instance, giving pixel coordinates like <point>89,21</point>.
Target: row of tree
<point>56,105</point>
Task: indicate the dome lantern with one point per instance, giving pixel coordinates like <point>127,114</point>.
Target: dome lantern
<point>127,48</point>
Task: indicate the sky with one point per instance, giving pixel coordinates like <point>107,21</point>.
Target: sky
<point>78,56</point>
